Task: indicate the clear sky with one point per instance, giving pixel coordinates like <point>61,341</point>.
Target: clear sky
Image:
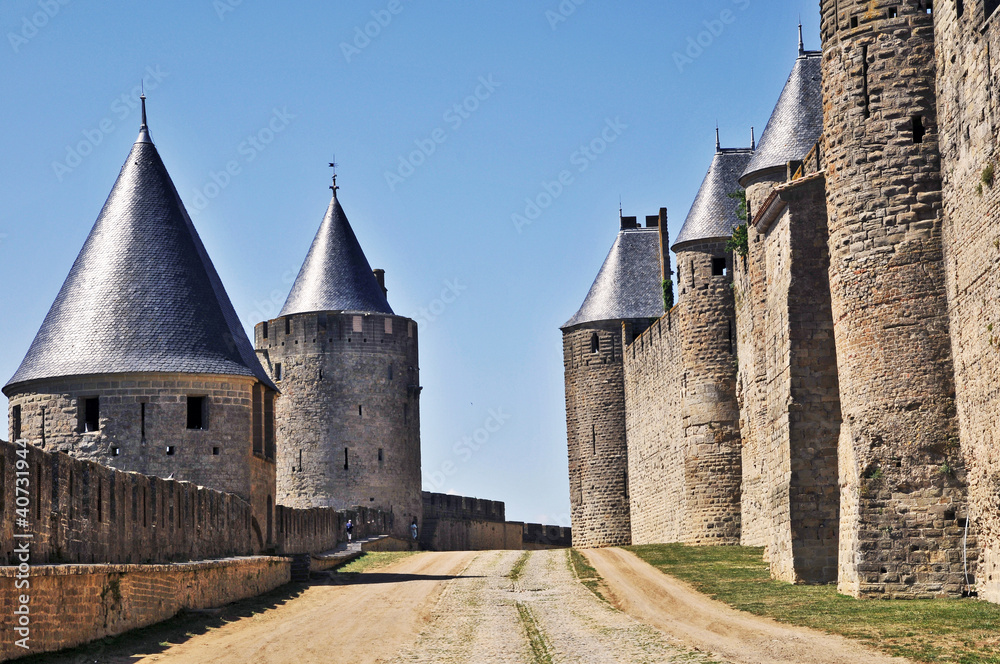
<point>447,119</point>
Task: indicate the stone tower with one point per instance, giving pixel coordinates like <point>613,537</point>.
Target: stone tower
<point>706,329</point>
<point>623,301</point>
<point>902,475</point>
<point>142,364</point>
<point>348,420</point>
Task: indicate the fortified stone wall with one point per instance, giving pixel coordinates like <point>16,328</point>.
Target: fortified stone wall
<point>447,506</point>
<point>901,471</point>
<point>681,414</point>
<point>471,535</point>
<point>595,424</point>
<point>794,459</point>
<point>321,529</point>
<point>74,604</point>
<point>967,47</point>
<point>348,418</point>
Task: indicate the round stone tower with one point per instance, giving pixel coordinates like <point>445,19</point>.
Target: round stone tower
<point>348,418</point>
<point>901,472</point>
<point>707,336</point>
<point>624,299</point>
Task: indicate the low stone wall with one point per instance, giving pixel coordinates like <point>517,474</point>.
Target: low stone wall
<point>321,529</point>
<point>471,535</point>
<point>72,604</point>
<point>536,536</point>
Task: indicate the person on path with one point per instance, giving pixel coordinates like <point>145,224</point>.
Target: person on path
<point>350,529</point>
<point>413,530</point>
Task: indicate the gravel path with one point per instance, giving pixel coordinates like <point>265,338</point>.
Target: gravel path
<point>546,616</point>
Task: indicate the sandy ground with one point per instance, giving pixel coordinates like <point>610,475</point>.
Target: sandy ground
<point>369,620</point>
<point>671,605</point>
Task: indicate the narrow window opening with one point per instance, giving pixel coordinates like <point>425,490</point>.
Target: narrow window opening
<point>893,12</point>
<point>595,344</point>
<point>930,8</point>
<point>263,330</point>
<point>854,21</point>
<point>288,325</point>
<point>16,423</point>
<point>170,450</point>
<point>115,451</point>
<point>277,371</point>
<point>864,72</point>
<point>142,421</point>
<point>197,413</point>
<point>300,461</point>
<point>359,412</point>
<point>216,451</point>
<point>381,456</point>
<point>960,7</point>
<point>321,373</point>
<point>918,129</point>
<point>346,460</point>
<point>43,426</point>
<point>718,267</point>
<point>91,411</point>
<point>593,438</point>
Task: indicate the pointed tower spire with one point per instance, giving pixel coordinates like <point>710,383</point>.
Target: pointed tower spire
<point>333,165</point>
<point>753,139</point>
<point>143,129</point>
<point>718,142</point>
<point>802,44</point>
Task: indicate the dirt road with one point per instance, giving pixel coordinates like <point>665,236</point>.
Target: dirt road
<point>656,599</point>
<point>368,621</point>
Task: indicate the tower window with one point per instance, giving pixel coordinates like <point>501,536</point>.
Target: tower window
<point>595,344</point>
<point>43,425</point>
<point>893,12</point>
<point>142,421</point>
<point>346,460</point>
<point>918,129</point>
<point>277,371</point>
<point>359,411</point>
<point>288,325</point>
<point>930,8</point>
<point>115,451</point>
<point>16,423</point>
<point>390,372</point>
<point>197,413</point>
<point>718,267</point>
<point>854,21</point>
<point>960,7</point>
<point>263,329</point>
<point>170,450</point>
<point>90,414</point>
<point>381,455</point>
<point>216,451</point>
<point>990,6</point>
<point>864,82</point>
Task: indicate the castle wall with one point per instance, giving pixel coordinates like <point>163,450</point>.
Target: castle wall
<point>144,429</point>
<point>348,418</point>
<point>901,472</point>
<point>74,604</point>
<point>967,47</point>
<point>595,426</point>
<point>682,421</point>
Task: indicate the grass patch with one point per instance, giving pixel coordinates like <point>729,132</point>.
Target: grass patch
<point>539,648</point>
<point>965,631</point>
<point>372,561</point>
<point>517,571</point>
<point>586,574</point>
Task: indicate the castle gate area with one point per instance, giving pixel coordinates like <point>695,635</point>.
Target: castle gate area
<point>471,607</point>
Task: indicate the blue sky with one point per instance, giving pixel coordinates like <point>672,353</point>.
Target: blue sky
<point>448,120</point>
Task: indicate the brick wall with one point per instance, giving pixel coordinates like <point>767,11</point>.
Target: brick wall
<point>595,428</point>
<point>967,48</point>
<point>901,471</point>
<point>348,418</point>
<point>73,604</point>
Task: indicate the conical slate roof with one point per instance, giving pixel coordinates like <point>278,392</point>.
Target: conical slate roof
<point>143,295</point>
<point>797,121</point>
<point>713,214</point>
<point>336,275</point>
<point>628,285</point>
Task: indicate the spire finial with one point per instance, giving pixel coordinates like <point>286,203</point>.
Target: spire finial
<point>753,139</point>
<point>718,142</point>
<point>333,165</point>
<point>802,44</point>
<point>143,129</point>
